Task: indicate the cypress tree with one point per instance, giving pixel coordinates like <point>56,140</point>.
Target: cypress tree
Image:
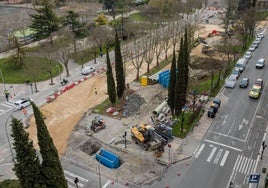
<point>172,83</point>
<point>186,62</point>
<point>110,80</point>
<point>51,167</point>
<point>45,22</point>
<point>119,68</point>
<point>27,167</point>
<point>178,104</point>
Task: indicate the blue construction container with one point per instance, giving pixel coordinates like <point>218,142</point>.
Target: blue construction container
<point>164,78</point>
<point>108,158</point>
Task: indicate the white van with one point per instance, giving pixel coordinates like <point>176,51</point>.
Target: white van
<point>241,64</point>
<point>22,103</point>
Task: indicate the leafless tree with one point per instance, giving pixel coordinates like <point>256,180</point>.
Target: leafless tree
<point>136,56</point>
<point>63,56</point>
<point>158,45</point>
<point>147,43</point>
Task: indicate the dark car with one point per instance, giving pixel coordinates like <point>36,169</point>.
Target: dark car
<point>217,101</point>
<point>211,112</point>
<point>244,83</point>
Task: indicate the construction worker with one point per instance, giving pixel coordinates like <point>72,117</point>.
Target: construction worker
<point>95,90</point>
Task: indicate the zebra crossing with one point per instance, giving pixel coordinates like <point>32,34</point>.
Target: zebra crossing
<point>6,106</point>
<point>69,176</point>
<point>244,165</point>
<point>218,156</point>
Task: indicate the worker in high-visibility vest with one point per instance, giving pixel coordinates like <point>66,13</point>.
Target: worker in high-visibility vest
<point>6,93</point>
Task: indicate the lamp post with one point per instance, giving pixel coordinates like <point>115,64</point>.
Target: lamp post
<point>31,85</point>
<point>169,146</point>
<point>58,67</point>
<point>99,173</point>
<point>8,140</point>
<point>11,87</point>
<point>125,136</point>
<point>263,148</point>
<point>3,80</point>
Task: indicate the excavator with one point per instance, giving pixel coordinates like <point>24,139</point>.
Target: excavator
<point>145,136</point>
<point>97,124</point>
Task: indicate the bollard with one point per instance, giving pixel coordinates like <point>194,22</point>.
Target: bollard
<point>179,173</point>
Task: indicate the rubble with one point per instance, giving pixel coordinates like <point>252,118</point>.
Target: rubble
<point>132,104</point>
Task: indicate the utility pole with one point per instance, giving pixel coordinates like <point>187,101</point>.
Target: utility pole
<point>3,80</point>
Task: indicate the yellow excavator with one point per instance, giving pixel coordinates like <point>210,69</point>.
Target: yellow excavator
<point>145,136</point>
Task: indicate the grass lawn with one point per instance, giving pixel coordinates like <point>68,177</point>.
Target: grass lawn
<point>12,74</point>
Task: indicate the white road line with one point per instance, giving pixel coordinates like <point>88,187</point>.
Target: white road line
<point>224,158</point>
<point>72,181</point>
<point>225,135</point>
<point>232,126</point>
<point>245,165</point>
<point>224,145</point>
<point>237,162</point>
<point>241,166</point>
<point>199,151</point>
<point>7,105</point>
<point>211,154</point>
<point>75,176</point>
<point>253,167</point>
<point>249,166</point>
<point>218,156</point>
<point>1,110</point>
<point>106,184</point>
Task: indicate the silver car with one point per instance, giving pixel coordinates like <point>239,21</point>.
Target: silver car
<point>87,70</point>
<point>260,63</point>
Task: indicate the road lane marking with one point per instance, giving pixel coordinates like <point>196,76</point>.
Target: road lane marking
<point>242,163</point>
<point>253,167</point>
<point>237,162</point>
<point>232,126</point>
<point>7,104</point>
<point>249,166</point>
<point>199,151</point>
<point>75,176</point>
<point>224,145</point>
<point>224,158</point>
<point>211,154</point>
<point>245,165</point>
<point>72,181</point>
<point>218,156</point>
<point>225,135</point>
<point>106,184</point>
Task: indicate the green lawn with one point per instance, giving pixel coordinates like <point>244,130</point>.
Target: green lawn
<point>12,74</point>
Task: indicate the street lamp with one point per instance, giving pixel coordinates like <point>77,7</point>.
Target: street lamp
<point>169,146</point>
<point>263,148</point>
<point>3,80</point>
<point>125,136</point>
<point>58,67</point>
<point>11,87</point>
<point>31,85</point>
<point>8,140</point>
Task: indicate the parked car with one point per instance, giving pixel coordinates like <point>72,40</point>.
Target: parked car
<point>244,83</point>
<point>236,72</point>
<point>241,64</point>
<point>256,43</point>
<point>260,63</point>
<point>230,82</point>
<point>217,101</point>
<point>260,35</point>
<point>248,55</point>
<point>252,48</point>
<point>87,70</point>
<point>22,103</point>
<point>211,113</point>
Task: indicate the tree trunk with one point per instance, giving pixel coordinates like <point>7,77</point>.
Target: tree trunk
<point>148,67</point>
<point>51,79</point>
<point>138,74</point>
<point>35,87</point>
<point>67,69</point>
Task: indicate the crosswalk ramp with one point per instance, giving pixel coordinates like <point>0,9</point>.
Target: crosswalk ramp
<point>216,156</point>
<point>70,177</point>
<point>244,165</point>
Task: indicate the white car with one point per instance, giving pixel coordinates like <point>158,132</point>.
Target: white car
<point>260,63</point>
<point>87,70</point>
<point>230,82</point>
<point>22,103</point>
<point>248,55</point>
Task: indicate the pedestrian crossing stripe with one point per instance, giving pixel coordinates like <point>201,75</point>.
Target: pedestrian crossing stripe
<point>70,180</point>
<point>7,104</point>
<point>75,176</point>
<point>244,165</point>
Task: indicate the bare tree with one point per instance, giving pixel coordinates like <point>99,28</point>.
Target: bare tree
<point>63,56</point>
<point>148,55</point>
<point>136,56</point>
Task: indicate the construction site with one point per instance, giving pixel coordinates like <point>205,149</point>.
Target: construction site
<point>141,137</point>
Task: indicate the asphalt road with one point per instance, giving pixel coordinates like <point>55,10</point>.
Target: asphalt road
<point>230,150</point>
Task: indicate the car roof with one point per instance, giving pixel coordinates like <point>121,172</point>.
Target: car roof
<point>246,79</point>
<point>261,59</point>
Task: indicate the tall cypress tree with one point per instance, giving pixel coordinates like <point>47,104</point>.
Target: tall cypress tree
<point>172,83</point>
<point>186,62</point>
<point>178,103</point>
<point>119,68</point>
<point>45,22</point>
<point>110,80</point>
<point>51,167</point>
<point>27,166</point>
